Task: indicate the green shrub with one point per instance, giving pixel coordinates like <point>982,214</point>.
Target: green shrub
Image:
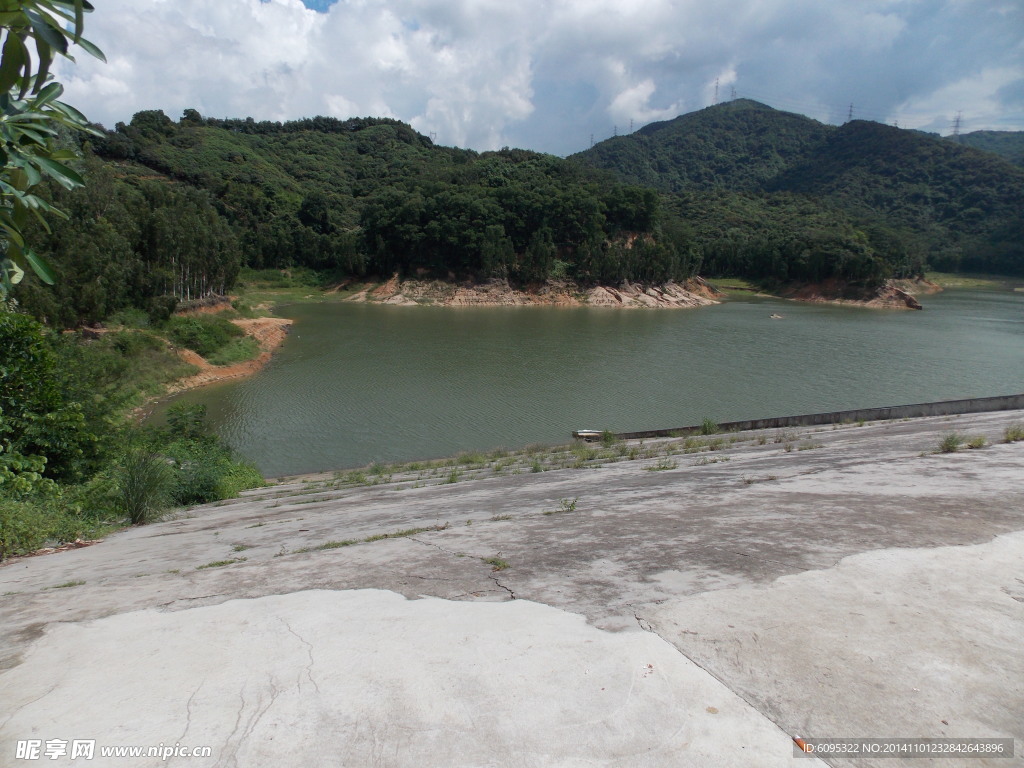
<point>203,334</point>
<point>131,317</point>
<point>23,527</point>
<point>951,442</point>
<point>708,427</point>
<point>1014,432</point>
<point>135,343</point>
<point>237,351</point>
<point>145,481</point>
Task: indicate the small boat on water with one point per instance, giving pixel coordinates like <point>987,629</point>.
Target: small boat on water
<point>590,435</point>
<point>774,316</point>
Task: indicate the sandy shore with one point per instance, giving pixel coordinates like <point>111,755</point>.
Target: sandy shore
<point>269,332</point>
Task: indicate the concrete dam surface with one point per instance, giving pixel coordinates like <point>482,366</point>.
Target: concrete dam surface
<point>677,602</point>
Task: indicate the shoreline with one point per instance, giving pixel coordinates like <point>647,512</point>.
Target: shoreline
<point>269,332</point>
<point>695,292</point>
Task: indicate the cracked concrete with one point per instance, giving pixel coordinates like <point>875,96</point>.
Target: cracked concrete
<point>802,591</point>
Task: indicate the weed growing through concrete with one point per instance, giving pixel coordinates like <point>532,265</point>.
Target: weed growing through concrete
<point>496,563</point>
<point>809,446</point>
<point>977,441</point>
<point>67,584</point>
<point>1014,432</point>
<point>367,540</point>
<point>220,563</point>
<point>498,518</point>
<point>241,547</point>
<point>709,427</point>
<point>564,505</point>
<point>705,460</point>
<point>951,442</point>
<point>662,465</point>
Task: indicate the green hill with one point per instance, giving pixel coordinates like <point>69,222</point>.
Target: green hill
<point>1009,145</point>
<point>738,145</point>
<point>177,207</point>
<point>173,209</point>
<point>950,205</point>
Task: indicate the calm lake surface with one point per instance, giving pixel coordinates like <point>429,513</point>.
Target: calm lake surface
<point>357,383</point>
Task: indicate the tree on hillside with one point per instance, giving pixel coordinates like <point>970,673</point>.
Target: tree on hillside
<point>32,119</point>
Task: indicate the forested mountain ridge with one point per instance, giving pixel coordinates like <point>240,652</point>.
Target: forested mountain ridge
<point>355,197</point>
<point>175,208</point>
<point>739,145</point>
<point>1009,145</point>
<point>957,207</point>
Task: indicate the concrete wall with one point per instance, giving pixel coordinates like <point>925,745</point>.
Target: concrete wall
<point>941,408</point>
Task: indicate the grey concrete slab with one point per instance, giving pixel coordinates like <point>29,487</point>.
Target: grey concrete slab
<point>644,536</point>
<point>912,643</point>
<point>363,678</point>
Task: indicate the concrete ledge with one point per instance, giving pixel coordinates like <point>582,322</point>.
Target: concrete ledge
<point>940,408</point>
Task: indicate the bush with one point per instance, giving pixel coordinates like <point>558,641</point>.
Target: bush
<point>144,481</point>
<point>23,527</point>
<point>951,442</point>
<point>203,334</point>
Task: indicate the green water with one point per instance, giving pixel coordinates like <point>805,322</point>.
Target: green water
<point>357,383</point>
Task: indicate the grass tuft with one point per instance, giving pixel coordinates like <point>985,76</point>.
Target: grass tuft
<point>1014,432</point>
<point>951,442</point>
<point>220,563</point>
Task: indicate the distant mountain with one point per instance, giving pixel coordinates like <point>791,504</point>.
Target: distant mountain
<point>955,206</point>
<point>1007,144</point>
<point>875,171</point>
<point>174,209</point>
<point>738,145</point>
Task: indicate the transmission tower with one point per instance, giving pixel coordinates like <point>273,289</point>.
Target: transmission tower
<point>956,126</point>
<point>849,115</point>
<point>716,90</point>
<point>732,93</point>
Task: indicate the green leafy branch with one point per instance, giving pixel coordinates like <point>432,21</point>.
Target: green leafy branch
<point>32,120</point>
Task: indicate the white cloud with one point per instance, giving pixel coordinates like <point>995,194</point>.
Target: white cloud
<point>546,73</point>
<point>975,98</point>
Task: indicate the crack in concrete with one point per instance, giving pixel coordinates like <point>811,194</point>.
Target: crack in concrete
<point>309,653</point>
<point>49,690</point>
<point>753,706</point>
<point>495,580</point>
<point>436,546</point>
<point>186,599</point>
<point>188,711</point>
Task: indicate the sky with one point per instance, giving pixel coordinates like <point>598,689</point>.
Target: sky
<point>554,75</point>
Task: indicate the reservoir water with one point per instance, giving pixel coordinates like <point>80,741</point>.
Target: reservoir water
<point>360,383</point>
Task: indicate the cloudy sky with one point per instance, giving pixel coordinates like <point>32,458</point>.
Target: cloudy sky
<point>550,74</point>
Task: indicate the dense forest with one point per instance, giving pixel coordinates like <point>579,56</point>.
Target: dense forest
<point>174,209</point>
<point>1007,144</point>
<point>774,194</point>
